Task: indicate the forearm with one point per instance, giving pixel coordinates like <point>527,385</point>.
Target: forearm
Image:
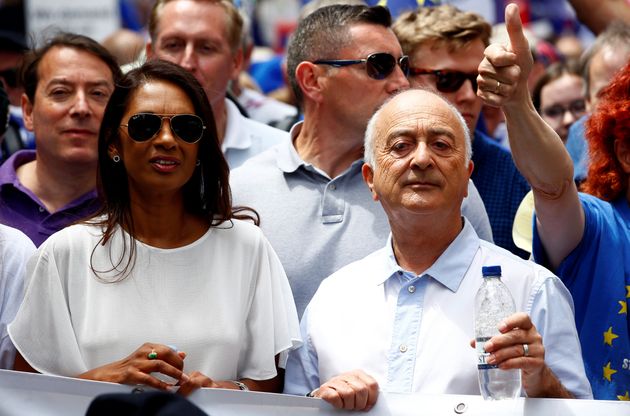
<point>537,150</point>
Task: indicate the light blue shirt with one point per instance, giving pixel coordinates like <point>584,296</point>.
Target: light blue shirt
<point>412,332</point>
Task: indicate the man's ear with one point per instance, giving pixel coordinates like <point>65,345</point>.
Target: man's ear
<point>622,151</point>
<point>27,112</point>
<point>309,78</point>
<point>368,177</point>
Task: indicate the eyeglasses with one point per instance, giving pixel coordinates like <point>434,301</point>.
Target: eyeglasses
<point>378,65</point>
<point>144,126</point>
<point>447,81</point>
<point>576,107</point>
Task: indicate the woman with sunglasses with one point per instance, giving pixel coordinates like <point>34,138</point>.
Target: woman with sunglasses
<point>167,285</point>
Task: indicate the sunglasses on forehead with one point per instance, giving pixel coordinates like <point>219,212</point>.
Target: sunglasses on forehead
<point>144,126</point>
<point>447,81</point>
<point>378,65</point>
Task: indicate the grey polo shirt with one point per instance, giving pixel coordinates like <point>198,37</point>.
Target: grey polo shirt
<point>317,224</point>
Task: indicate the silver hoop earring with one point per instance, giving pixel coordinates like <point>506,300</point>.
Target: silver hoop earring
<point>116,158</point>
<point>198,163</point>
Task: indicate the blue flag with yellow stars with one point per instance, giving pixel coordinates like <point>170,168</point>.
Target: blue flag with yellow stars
<point>397,7</point>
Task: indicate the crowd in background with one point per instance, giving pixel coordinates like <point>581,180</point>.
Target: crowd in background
<point>211,116</point>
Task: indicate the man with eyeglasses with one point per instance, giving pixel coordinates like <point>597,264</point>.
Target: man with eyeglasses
<point>445,46</point>
<point>343,63</point>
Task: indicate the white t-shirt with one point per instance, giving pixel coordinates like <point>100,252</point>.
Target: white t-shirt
<point>224,300</point>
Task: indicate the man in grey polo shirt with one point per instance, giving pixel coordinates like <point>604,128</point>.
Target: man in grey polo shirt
<point>343,62</point>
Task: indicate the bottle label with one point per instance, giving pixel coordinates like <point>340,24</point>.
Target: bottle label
<point>482,355</point>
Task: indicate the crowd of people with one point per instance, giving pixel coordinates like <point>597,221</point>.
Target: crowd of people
<point>158,234</point>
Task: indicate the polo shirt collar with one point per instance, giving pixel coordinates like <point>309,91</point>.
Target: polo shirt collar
<point>9,168</point>
<point>289,161</point>
<point>287,158</point>
<point>449,269</point>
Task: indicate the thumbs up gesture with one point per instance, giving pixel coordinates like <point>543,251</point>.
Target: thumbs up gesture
<point>504,70</point>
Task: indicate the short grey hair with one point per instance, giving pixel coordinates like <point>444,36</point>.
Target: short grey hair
<point>370,131</point>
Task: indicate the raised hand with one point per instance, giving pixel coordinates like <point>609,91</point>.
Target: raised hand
<point>504,70</point>
<point>138,367</point>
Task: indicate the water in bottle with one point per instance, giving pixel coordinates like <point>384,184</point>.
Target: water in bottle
<point>493,304</point>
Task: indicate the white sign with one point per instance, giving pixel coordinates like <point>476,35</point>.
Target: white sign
<point>94,18</point>
<point>38,394</point>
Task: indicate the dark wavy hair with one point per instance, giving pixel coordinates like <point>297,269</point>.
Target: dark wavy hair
<point>610,122</point>
<point>207,193</point>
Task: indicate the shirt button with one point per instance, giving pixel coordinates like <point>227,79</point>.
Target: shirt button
<point>411,289</point>
<point>41,209</point>
<point>333,187</point>
<point>402,348</point>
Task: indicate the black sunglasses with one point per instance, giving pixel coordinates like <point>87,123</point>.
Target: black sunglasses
<point>378,65</point>
<point>144,126</point>
<point>447,81</point>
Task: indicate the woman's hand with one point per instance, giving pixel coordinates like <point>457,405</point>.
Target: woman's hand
<point>137,367</point>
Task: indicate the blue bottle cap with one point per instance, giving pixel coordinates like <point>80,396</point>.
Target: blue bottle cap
<point>488,271</point>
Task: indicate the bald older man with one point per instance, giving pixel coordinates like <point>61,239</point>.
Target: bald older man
<point>402,318</point>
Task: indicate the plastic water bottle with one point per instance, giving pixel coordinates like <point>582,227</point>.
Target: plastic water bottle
<point>493,304</point>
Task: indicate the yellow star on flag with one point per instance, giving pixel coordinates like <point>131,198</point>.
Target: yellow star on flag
<point>624,308</point>
<point>609,336</point>
<point>628,291</point>
<point>625,398</point>
<point>608,372</point>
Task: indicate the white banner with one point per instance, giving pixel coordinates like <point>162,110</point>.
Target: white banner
<point>37,394</point>
<point>94,18</point>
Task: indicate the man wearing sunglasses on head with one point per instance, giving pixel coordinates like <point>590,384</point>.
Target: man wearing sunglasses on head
<point>343,63</point>
<point>204,37</point>
<point>445,46</point>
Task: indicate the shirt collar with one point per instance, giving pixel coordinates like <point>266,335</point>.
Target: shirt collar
<point>449,269</point>
<point>288,159</point>
<point>9,168</point>
<point>235,136</point>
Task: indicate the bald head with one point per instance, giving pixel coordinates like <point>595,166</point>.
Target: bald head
<point>421,98</point>
<point>418,158</point>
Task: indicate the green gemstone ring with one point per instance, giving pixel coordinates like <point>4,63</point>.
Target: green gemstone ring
<point>152,355</point>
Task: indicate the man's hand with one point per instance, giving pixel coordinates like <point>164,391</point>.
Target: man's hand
<point>519,346</point>
<point>354,390</point>
<point>503,72</point>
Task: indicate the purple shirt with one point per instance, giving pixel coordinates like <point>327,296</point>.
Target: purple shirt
<point>20,208</point>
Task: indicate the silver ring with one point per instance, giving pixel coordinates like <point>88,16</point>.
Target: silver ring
<point>498,89</point>
<point>525,350</point>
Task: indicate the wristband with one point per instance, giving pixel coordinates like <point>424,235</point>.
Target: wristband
<point>241,386</point>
